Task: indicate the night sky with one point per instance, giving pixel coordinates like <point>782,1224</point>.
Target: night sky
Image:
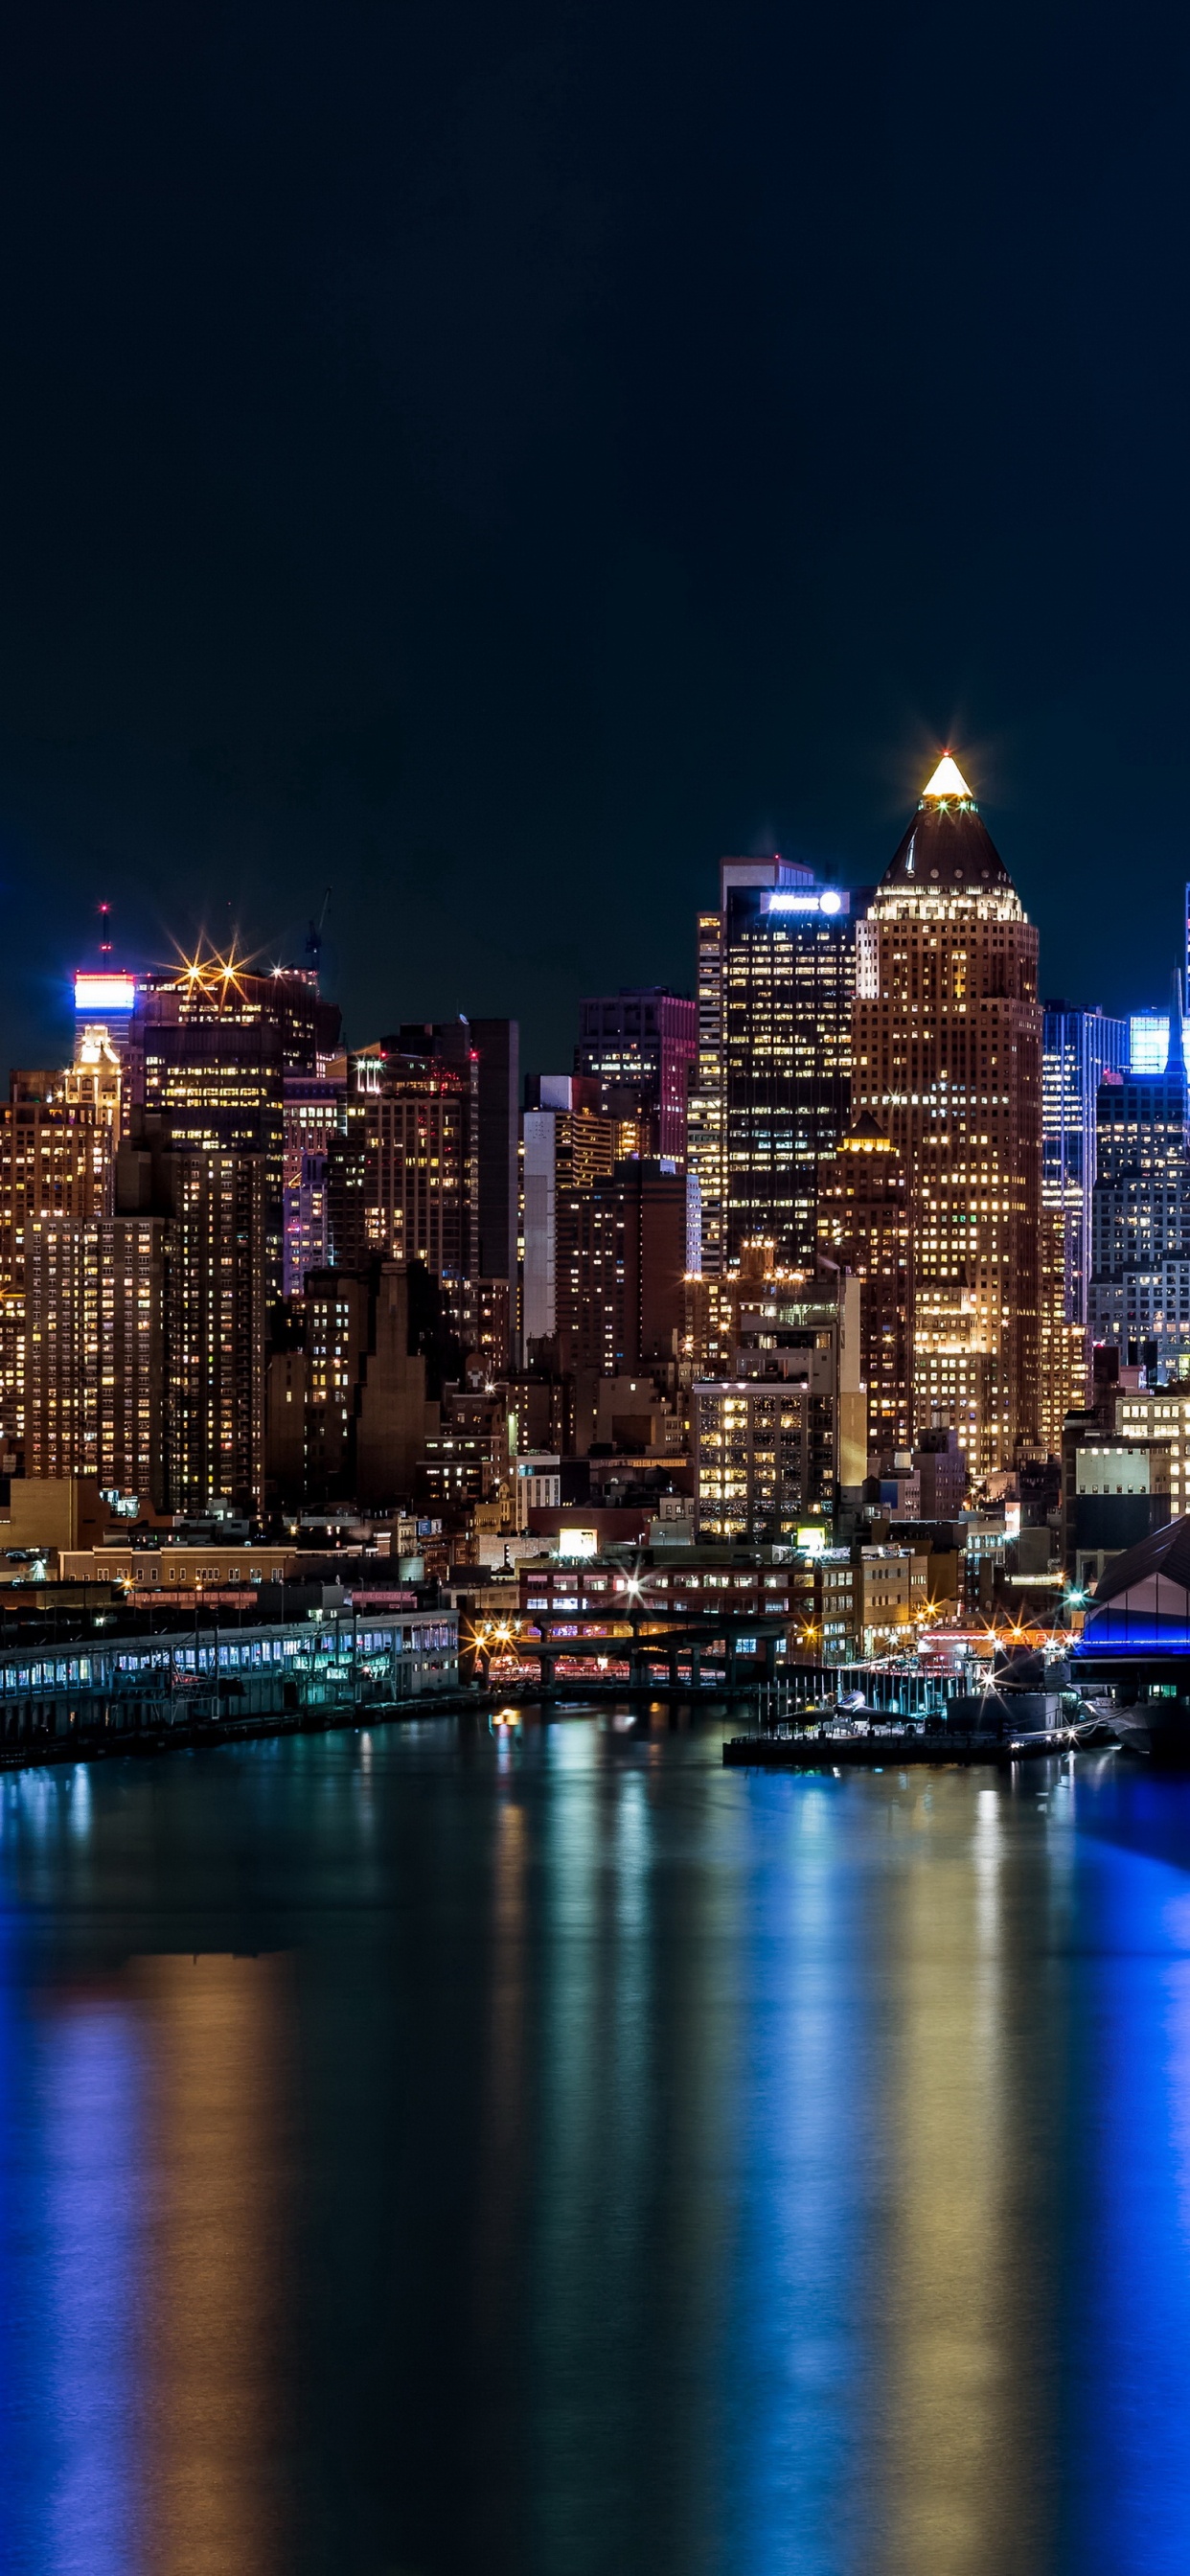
<point>489,460</point>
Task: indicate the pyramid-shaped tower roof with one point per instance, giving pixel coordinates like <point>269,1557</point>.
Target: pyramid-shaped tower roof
<point>948,850</point>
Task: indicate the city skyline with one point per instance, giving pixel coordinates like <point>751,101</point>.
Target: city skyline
<point>270,949</point>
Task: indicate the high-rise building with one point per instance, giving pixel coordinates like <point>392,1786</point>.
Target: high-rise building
<point>313,1116</point>
<point>641,1047</point>
<point>863,1226</point>
<point>569,1145</point>
<point>95,1383</point>
<point>498,1120</point>
<point>215,1332</point>
<point>58,1134</point>
<point>947,1060</point>
<point>402,1170</point>
<point>211,1049</point>
<point>779,977</point>
<point>1140,1222</point>
<point>1078,1048</point>
<point>1063,1342</point>
<point>632,1252</point>
<point>704,1124</point>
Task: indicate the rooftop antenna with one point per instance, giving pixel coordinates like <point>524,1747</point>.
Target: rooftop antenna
<point>105,931</point>
<point>314,937</point>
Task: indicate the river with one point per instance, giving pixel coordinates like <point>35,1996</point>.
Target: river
<point>438,2151</point>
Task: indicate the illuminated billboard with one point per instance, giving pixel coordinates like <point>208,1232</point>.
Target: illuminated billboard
<point>828,902</point>
<point>98,995</point>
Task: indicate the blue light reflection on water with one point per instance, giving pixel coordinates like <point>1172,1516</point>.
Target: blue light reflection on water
<point>795,2318</point>
<point>736,2032</point>
<point>72,2154</point>
<point>1126,2465</point>
<point>88,2078</point>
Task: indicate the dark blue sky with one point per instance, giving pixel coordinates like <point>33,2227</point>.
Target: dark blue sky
<point>490,459</point>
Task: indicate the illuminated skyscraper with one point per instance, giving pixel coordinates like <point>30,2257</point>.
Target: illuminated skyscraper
<point>704,1124</point>
<point>1140,1223</point>
<point>632,1260</point>
<point>1078,1048</point>
<point>95,1397</point>
<point>58,1134</point>
<point>948,1063</point>
<point>776,983</point>
<point>211,1048</point>
<point>215,1331</point>
<point>402,1175</point>
<point>570,1144</point>
<point>863,1226</point>
<point>641,1048</point>
<point>314,1115</point>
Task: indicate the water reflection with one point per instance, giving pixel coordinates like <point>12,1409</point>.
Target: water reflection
<point>605,2162</point>
<point>140,2285</point>
<point>217,2237</point>
<point>962,2400</point>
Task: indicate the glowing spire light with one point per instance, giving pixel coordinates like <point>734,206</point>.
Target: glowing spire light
<point>948,780</point>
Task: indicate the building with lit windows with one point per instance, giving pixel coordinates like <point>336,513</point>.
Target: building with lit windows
<point>788,983</point>
<point>347,1414</point>
<point>629,1308</point>
<point>1140,1210</point>
<point>1161,1414</point>
<point>782,1436</point>
<point>58,1135</point>
<point>215,1332</point>
<point>402,1177</point>
<point>863,1226</point>
<point>94,1371</point>
<point>313,1115</point>
<point>947,1061</point>
<point>1077,1049</point>
<point>641,1047</point>
<point>704,1128</point>
<point>570,1143</point>
<point>873,1600</point>
<point>211,1048</point>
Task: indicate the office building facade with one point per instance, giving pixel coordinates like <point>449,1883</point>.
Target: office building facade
<point>1140,1217</point>
<point>1077,1049</point>
<point>947,1062</point>
<point>642,1047</point>
<point>863,1226</point>
<point>788,986</point>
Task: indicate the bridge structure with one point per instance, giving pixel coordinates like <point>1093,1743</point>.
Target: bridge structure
<point>115,1686</point>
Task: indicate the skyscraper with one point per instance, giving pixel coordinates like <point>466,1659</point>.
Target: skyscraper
<point>215,1329</point>
<point>95,1392</point>
<point>402,1171</point>
<point>641,1047</point>
<point>704,1116</point>
<point>1078,1048</point>
<point>947,1060</point>
<point>776,984</point>
<point>863,1226</point>
<point>313,1110</point>
<point>569,1145</point>
<point>630,1307</point>
<point>498,1112</point>
<point>1140,1221</point>
<point>58,1135</point>
<point>211,1048</point>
